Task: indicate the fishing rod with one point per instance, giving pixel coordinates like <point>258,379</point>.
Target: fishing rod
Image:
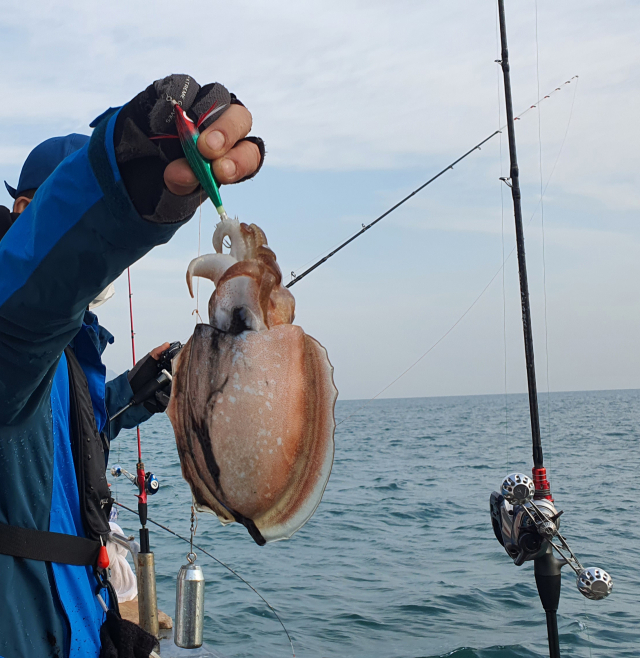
<point>146,574</point>
<point>365,228</point>
<point>142,492</point>
<point>524,517</point>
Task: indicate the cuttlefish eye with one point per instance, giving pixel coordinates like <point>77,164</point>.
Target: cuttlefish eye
<point>235,305</point>
<point>242,319</point>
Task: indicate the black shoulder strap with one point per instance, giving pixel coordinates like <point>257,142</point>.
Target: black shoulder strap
<point>95,499</point>
<point>88,454</point>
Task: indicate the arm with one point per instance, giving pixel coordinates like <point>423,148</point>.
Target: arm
<point>118,394</point>
<point>77,235</point>
<point>83,228</point>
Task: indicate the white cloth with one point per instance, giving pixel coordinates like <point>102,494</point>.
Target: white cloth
<point>122,577</point>
<point>105,295</point>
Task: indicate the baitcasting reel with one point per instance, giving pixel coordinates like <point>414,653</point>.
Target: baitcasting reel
<point>527,529</point>
<point>151,483</point>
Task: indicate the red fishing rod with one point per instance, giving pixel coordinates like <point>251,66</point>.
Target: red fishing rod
<point>146,575</point>
<point>142,491</point>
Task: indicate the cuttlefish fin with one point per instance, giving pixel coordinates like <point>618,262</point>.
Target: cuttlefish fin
<point>209,266</point>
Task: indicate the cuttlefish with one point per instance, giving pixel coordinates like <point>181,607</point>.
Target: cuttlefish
<point>252,401</point>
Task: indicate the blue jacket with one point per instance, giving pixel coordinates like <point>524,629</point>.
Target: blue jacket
<point>78,234</point>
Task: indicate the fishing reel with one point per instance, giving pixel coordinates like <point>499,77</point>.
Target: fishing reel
<point>151,380</point>
<point>164,362</point>
<point>151,483</point>
<point>529,529</point>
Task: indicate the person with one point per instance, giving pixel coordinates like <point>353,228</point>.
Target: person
<point>39,165</point>
<point>72,232</point>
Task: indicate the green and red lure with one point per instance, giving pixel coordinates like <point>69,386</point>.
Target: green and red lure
<point>188,133</point>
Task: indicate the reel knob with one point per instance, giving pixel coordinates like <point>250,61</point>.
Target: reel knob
<point>116,470</point>
<point>518,488</point>
<point>548,529</point>
<point>151,484</point>
<point>594,583</point>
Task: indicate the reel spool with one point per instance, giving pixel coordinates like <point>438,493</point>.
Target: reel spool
<point>189,605</point>
<point>518,489</point>
<point>151,483</point>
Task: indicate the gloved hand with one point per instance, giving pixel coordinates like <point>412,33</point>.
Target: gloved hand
<point>150,159</point>
<point>144,371</point>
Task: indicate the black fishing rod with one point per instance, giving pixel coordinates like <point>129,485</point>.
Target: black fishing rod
<point>525,520</point>
<point>549,587</point>
<point>364,228</point>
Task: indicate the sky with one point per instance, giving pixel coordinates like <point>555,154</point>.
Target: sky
<point>359,103</point>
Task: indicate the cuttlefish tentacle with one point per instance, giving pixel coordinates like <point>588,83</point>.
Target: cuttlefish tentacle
<point>232,229</point>
<point>282,307</point>
<point>209,266</point>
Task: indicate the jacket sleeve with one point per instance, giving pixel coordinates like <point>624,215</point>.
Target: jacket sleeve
<point>77,235</point>
<point>117,395</point>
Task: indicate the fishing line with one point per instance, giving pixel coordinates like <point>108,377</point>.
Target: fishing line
<point>220,562</point>
<point>493,278</point>
<point>586,625</point>
<point>504,294</point>
<point>199,240</point>
<point>196,310</point>
<point>415,363</point>
<point>544,261</point>
<point>366,227</point>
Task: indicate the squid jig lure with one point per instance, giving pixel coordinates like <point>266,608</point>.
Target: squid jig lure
<point>188,133</point>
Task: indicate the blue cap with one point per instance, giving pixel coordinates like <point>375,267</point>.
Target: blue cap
<point>43,160</point>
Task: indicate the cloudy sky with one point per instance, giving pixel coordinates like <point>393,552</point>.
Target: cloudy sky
<point>359,103</point>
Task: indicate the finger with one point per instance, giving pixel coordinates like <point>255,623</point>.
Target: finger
<point>155,353</point>
<point>222,135</point>
<point>239,162</point>
<point>179,178</point>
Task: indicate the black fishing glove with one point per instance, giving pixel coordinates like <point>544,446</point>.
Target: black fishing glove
<point>146,370</point>
<point>145,139</point>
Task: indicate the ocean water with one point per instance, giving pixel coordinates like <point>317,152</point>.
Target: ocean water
<point>400,560</point>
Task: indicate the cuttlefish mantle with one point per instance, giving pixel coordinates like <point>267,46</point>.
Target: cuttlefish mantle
<point>253,397</point>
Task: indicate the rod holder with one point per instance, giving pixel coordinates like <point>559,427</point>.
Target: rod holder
<point>147,598</point>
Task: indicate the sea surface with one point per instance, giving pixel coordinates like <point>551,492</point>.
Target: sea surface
<point>400,560</point>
